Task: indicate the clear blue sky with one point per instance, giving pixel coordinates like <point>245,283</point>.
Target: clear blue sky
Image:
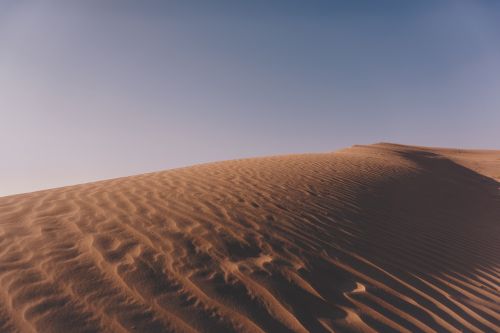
<point>96,89</point>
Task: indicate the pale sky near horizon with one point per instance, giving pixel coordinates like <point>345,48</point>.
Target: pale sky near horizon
<point>99,89</point>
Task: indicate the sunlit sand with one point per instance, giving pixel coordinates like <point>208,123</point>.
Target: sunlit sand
<point>384,237</point>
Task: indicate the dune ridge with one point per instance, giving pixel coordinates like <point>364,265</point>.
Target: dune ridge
<point>378,238</point>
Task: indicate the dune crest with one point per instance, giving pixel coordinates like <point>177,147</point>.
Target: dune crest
<point>379,238</point>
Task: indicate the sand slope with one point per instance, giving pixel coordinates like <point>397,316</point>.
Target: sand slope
<point>382,238</point>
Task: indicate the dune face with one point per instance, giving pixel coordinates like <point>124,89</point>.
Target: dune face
<point>381,238</point>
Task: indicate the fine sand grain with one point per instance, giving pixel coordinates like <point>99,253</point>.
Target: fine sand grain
<point>380,238</point>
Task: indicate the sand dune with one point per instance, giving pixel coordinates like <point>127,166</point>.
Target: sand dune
<point>380,238</point>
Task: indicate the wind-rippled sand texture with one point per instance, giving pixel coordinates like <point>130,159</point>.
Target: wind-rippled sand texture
<point>383,238</point>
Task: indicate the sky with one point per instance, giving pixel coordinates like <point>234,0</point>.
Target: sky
<point>98,89</point>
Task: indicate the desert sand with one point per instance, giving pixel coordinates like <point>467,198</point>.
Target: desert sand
<point>378,238</point>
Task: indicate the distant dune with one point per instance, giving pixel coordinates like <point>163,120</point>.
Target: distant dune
<point>379,238</point>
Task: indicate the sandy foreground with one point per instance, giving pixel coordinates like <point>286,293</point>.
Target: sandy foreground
<point>379,238</point>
